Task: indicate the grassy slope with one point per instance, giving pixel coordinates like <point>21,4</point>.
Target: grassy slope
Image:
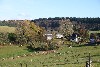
<point>94,32</point>
<point>5,29</point>
<point>64,57</point>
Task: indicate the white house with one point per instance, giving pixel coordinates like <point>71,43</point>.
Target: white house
<point>59,36</point>
<point>49,36</point>
<point>75,38</point>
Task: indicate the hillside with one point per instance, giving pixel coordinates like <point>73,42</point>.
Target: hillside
<point>55,23</point>
<point>11,25</point>
<point>6,29</point>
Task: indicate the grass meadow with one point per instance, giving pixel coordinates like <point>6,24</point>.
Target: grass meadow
<point>12,56</point>
<point>6,29</point>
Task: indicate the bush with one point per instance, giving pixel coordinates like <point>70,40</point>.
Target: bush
<point>53,46</point>
<point>30,47</point>
<point>12,37</point>
<point>43,46</point>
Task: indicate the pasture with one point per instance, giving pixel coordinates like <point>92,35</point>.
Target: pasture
<point>12,56</point>
<point>6,29</point>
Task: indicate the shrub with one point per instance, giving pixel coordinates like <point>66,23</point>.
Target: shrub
<point>53,46</point>
<point>12,37</point>
<point>30,47</point>
<point>43,46</point>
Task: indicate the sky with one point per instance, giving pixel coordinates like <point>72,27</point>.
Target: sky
<point>34,9</point>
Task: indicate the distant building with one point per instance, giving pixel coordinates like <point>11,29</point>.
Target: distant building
<point>74,37</point>
<point>49,36</point>
<point>59,36</point>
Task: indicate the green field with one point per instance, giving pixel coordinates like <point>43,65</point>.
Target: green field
<point>95,32</point>
<point>6,29</point>
<point>12,56</point>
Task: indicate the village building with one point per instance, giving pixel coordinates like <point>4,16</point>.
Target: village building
<point>49,36</point>
<point>59,36</point>
<point>75,37</point>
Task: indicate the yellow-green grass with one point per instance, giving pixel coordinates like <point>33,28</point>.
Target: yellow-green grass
<point>10,51</point>
<point>94,32</point>
<point>6,29</point>
<point>63,57</point>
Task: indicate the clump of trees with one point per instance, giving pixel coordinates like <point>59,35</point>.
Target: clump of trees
<point>12,37</point>
<point>3,38</point>
<point>84,34</point>
<point>10,23</point>
<point>27,33</point>
<point>31,35</point>
<point>43,46</point>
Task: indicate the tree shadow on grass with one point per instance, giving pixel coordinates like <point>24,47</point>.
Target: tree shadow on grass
<point>32,49</point>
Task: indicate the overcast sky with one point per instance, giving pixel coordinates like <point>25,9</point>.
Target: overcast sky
<point>32,9</point>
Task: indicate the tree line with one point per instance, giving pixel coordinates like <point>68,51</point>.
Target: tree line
<point>87,23</point>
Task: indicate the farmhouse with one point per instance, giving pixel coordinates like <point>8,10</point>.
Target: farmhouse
<point>49,36</point>
<point>59,36</point>
<point>75,37</point>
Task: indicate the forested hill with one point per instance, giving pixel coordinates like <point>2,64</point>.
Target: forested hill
<point>53,23</point>
<point>57,22</point>
<point>83,20</point>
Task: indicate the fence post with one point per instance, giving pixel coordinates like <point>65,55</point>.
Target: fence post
<point>20,64</point>
<point>89,60</point>
<point>26,65</point>
<point>87,65</point>
<point>13,56</point>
